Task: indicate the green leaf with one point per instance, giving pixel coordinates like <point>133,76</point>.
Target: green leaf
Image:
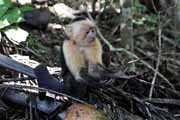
<point>13,16</point>
<point>10,13</point>
<point>4,6</point>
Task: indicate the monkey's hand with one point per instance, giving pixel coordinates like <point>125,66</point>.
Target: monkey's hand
<point>102,73</point>
<point>90,80</point>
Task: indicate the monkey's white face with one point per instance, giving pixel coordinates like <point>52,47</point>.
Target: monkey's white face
<point>83,32</point>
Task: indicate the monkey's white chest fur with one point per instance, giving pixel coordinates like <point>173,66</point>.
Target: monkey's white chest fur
<point>79,57</point>
<point>74,58</point>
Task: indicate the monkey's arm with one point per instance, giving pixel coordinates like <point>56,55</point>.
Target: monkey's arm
<point>105,73</point>
<point>94,53</point>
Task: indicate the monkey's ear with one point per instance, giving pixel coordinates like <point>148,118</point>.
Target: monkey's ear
<point>68,30</point>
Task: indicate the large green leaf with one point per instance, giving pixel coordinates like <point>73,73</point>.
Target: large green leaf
<point>4,6</point>
<point>10,13</point>
<point>13,16</point>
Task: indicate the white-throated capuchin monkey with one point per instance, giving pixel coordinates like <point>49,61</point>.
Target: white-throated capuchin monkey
<point>83,49</point>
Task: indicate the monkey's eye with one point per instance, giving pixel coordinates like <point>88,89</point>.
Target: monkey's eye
<point>87,32</point>
<point>91,30</point>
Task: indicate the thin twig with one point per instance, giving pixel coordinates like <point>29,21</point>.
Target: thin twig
<point>177,93</point>
<point>41,89</point>
<point>158,60</point>
<point>15,79</point>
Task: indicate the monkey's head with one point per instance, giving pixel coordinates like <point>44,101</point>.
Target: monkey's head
<point>81,31</point>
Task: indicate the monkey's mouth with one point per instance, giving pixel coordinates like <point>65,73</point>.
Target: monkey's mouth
<point>90,39</point>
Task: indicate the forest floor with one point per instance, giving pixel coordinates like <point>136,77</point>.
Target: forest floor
<point>152,52</point>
